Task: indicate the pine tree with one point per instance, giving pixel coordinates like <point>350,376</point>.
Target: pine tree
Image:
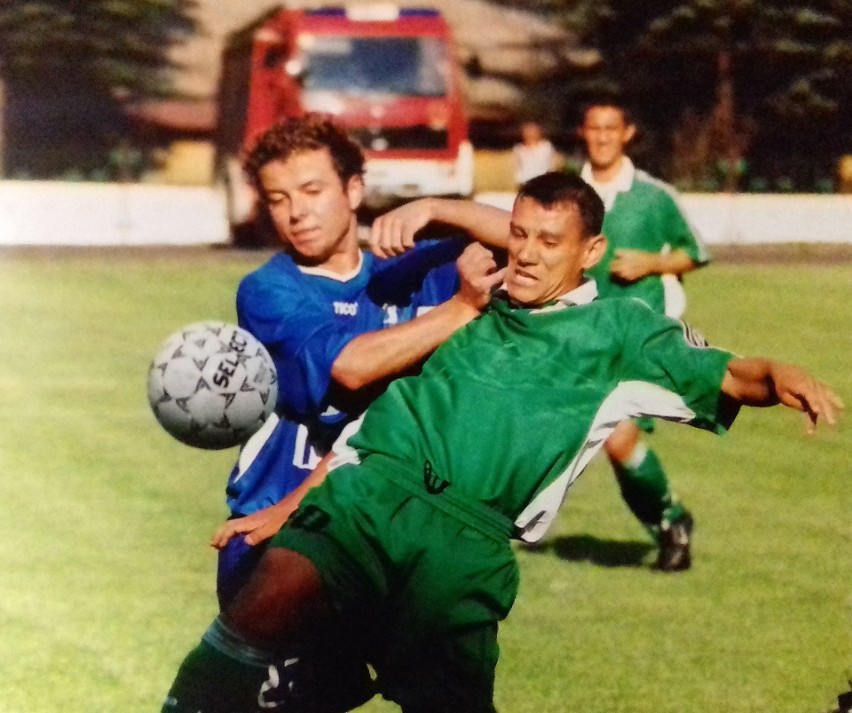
<point>770,73</point>
<point>70,66</point>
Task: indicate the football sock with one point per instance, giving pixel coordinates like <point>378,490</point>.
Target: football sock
<point>645,488</point>
<point>221,675</point>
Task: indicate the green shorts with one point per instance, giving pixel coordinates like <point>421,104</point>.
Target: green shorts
<point>419,576</point>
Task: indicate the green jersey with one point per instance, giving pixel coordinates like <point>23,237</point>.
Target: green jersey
<point>512,408</point>
<point>642,213</point>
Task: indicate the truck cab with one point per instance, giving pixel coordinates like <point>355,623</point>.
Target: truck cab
<point>390,75</point>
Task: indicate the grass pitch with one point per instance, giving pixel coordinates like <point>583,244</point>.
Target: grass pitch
<point>107,579</point>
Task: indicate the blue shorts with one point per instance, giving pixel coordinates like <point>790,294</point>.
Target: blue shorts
<point>237,560</point>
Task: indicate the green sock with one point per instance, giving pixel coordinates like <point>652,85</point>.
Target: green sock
<point>645,488</point>
<point>220,675</point>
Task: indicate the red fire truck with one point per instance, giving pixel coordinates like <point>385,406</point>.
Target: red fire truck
<point>389,74</point>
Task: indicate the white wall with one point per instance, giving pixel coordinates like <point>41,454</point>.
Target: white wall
<point>754,219</point>
<point>751,219</point>
<point>57,213</point>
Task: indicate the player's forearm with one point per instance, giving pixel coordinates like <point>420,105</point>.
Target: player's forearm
<point>485,223</point>
<point>632,265</point>
<point>385,353</point>
<point>749,381</point>
<point>763,382</point>
<point>290,502</point>
<point>677,262</point>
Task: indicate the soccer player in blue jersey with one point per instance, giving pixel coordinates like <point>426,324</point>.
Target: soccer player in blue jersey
<point>402,554</point>
<point>337,322</point>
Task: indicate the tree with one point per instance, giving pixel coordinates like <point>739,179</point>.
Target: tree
<point>772,73</point>
<point>70,66</point>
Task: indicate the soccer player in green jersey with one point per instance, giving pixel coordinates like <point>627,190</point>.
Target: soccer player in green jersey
<point>650,245</point>
<point>402,554</point>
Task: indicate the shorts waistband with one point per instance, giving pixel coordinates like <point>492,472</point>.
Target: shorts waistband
<point>440,494</point>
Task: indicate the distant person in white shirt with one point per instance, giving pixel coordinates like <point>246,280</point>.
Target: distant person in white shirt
<point>534,154</point>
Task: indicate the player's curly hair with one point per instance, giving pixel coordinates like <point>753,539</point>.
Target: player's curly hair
<point>555,187</point>
<point>310,132</point>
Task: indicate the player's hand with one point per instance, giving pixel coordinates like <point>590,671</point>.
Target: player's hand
<point>632,265</point>
<point>797,389</point>
<point>257,527</point>
<point>478,275</point>
<point>393,233</point>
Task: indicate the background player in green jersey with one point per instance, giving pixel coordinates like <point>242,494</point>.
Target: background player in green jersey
<point>402,554</point>
<point>650,246</point>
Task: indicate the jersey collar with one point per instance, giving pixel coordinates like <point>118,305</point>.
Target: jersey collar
<point>584,294</point>
<point>321,272</point>
<point>620,183</point>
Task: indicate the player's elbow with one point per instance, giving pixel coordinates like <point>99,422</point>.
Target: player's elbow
<point>349,376</point>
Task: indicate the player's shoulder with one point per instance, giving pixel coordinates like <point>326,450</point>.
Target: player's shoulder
<point>278,266</point>
<point>637,316</point>
<point>279,273</point>
<point>620,304</point>
<point>615,312</point>
<point>645,182</point>
<point>627,312</point>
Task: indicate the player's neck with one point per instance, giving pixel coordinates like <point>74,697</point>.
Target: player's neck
<point>347,256</point>
<point>343,259</point>
<point>605,174</point>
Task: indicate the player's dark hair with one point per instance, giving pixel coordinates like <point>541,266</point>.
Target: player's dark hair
<point>551,189</point>
<point>310,132</point>
<point>607,98</point>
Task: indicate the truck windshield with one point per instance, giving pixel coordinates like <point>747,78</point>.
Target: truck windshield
<point>402,66</point>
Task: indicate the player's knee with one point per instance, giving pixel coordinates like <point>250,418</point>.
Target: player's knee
<point>283,596</point>
<point>237,561</point>
<point>621,444</point>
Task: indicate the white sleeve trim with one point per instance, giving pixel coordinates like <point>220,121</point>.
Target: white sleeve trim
<point>630,399</point>
<point>344,454</point>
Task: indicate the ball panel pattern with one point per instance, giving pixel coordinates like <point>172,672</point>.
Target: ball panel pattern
<point>212,385</point>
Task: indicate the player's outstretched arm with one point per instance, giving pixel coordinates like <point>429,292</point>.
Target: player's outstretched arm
<point>393,233</point>
<point>386,353</point>
<point>263,524</point>
<point>756,381</point>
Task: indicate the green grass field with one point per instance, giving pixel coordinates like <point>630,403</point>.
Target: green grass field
<point>106,579</point>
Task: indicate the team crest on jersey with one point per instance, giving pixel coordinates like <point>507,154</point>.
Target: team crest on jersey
<point>693,336</point>
<point>347,309</point>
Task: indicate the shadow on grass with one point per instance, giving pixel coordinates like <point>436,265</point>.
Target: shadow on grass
<point>586,548</point>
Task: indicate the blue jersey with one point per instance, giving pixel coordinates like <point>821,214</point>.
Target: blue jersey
<point>305,318</point>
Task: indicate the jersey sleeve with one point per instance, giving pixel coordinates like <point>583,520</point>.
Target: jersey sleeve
<point>301,337</point>
<point>680,235</point>
<point>668,353</point>
<point>419,279</point>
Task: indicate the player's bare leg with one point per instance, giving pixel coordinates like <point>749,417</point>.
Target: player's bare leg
<point>260,653</point>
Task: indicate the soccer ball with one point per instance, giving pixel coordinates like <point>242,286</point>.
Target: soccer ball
<point>212,385</point>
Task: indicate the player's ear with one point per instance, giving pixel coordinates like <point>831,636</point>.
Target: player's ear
<point>594,250</point>
<point>355,191</point>
<point>629,133</point>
